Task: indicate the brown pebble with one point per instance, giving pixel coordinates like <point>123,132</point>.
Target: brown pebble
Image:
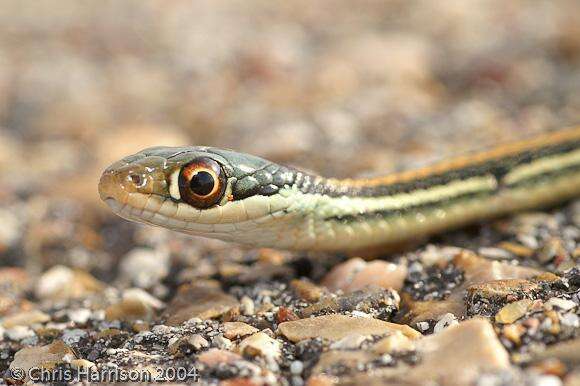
<point>60,282</point>
<point>552,249</point>
<point>285,314</point>
<point>48,334</point>
<point>231,314</point>
<point>516,249</point>
<point>15,279</point>
<point>334,327</point>
<point>129,310</point>
<point>235,330</point>
<point>356,274</point>
<point>271,256</point>
<point>188,344</point>
<point>506,290</point>
<point>26,318</point>
<point>109,333</point>
<point>367,300</point>
<point>514,332</point>
<point>551,366</point>
<point>216,356</point>
<point>306,290</point>
<point>395,342</point>
<point>141,326</point>
<point>193,301</point>
<point>531,323</point>
<point>513,311</point>
<point>260,344</point>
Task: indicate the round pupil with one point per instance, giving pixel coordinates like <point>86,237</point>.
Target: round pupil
<point>202,183</point>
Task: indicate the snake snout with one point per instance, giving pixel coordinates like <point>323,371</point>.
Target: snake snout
<point>117,183</point>
<point>123,182</point>
<point>110,187</point>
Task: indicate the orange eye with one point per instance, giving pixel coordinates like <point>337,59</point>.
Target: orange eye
<point>202,183</point>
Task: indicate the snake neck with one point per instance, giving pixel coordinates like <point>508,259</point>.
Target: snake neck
<point>351,214</point>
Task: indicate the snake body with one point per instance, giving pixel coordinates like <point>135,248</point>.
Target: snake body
<point>238,197</point>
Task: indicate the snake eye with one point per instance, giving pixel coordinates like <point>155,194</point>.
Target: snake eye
<point>202,183</point>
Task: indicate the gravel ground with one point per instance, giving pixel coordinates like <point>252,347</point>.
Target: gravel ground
<point>384,86</point>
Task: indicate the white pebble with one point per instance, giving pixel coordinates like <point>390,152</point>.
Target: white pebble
<point>221,342</point>
<point>563,304</point>
<point>73,336</point>
<point>10,227</point>
<point>360,314</point>
<point>296,367</point>
<point>571,320</point>
<point>350,342</point>
<point>445,321</point>
<point>18,333</point>
<point>547,380</point>
<point>80,316</point>
<point>172,340</point>
<point>495,253</point>
<point>145,267</point>
<point>422,326</point>
<point>247,306</point>
<point>142,296</point>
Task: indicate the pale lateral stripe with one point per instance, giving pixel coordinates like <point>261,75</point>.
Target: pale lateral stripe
<point>542,166</point>
<point>326,206</point>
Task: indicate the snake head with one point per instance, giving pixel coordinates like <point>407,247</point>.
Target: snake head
<point>203,191</point>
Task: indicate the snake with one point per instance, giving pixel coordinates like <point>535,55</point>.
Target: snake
<point>236,197</point>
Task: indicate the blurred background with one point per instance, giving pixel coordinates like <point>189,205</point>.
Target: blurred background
<point>342,88</point>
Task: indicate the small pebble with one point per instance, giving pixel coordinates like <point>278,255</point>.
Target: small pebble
<point>547,380</point>
<point>79,316</point>
<point>422,326</point>
<point>260,344</point>
<point>570,319</point>
<point>145,267</point>
<point>560,303</point>
<point>298,381</point>
<point>513,311</point>
<point>17,333</point>
<point>495,253</point>
<point>445,321</point>
<point>247,306</point>
<point>296,367</point>
<point>221,342</point>
<point>71,337</point>
<point>349,342</point>
<point>198,342</point>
